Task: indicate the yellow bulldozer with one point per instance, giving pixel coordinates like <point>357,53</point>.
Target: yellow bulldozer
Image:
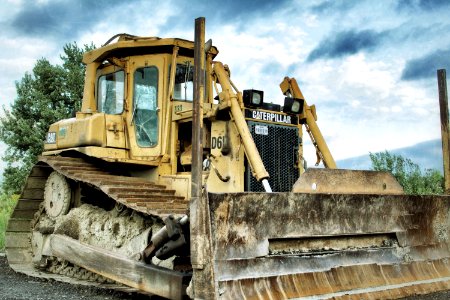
<point>172,182</point>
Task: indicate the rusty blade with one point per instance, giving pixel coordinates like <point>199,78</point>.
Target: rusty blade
<point>289,245</point>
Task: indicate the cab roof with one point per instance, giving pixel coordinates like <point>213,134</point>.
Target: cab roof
<point>129,45</point>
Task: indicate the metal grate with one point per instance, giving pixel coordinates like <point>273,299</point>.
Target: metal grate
<point>278,147</point>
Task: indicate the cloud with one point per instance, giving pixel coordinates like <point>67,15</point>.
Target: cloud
<point>68,20</point>
<point>426,66</point>
<point>261,55</point>
<point>238,7</point>
<point>333,6</point>
<point>61,18</point>
<point>426,5</point>
<point>347,43</point>
<point>232,12</point>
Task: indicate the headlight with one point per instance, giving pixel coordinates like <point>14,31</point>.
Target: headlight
<point>253,98</point>
<point>256,99</point>
<point>293,105</point>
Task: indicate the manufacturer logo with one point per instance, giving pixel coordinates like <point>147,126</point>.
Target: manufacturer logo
<point>270,116</point>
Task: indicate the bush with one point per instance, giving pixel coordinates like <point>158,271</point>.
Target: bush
<point>408,174</point>
<point>7,204</point>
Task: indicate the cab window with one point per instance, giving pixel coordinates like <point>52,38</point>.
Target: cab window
<point>184,85</point>
<point>110,93</point>
<point>145,106</point>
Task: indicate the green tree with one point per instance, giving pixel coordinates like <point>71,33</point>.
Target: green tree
<point>50,93</point>
<point>408,174</point>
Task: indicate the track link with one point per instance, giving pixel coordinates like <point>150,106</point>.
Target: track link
<point>135,193</point>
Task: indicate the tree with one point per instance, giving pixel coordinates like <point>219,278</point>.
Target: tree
<point>408,174</point>
<point>49,94</point>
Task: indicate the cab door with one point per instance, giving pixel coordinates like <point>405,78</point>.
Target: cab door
<point>110,95</point>
<point>146,82</point>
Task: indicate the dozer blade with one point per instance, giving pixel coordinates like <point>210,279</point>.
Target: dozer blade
<point>320,246</point>
<point>339,181</point>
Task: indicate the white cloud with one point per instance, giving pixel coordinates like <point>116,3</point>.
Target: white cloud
<point>260,53</point>
<point>19,55</point>
<point>375,77</point>
<point>13,6</point>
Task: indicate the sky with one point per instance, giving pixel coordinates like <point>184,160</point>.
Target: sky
<point>368,66</point>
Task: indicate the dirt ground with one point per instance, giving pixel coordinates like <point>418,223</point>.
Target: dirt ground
<point>14,286</point>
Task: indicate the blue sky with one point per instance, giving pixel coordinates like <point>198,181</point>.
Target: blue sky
<point>368,66</point>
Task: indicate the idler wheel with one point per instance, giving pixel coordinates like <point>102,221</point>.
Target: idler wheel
<point>56,195</point>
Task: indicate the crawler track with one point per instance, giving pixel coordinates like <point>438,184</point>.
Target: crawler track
<point>135,193</point>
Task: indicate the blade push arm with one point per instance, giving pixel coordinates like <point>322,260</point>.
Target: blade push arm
<point>228,95</point>
<point>290,86</point>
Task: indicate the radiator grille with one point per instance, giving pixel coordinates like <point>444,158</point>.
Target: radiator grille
<point>278,147</point>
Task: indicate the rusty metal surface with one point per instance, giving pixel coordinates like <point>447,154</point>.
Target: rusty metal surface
<point>144,277</point>
<point>339,181</point>
<point>378,246</point>
<point>356,282</point>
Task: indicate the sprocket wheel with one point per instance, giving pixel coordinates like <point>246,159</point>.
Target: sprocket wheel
<point>57,195</point>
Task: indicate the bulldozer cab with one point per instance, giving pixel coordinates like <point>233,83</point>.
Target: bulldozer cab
<point>141,101</point>
<point>127,104</point>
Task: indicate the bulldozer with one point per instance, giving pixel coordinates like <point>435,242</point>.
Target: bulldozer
<point>170,181</point>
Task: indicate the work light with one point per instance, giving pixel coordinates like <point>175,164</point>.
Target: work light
<point>253,98</point>
<point>293,105</point>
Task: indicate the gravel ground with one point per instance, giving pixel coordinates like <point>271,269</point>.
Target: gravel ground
<point>14,286</point>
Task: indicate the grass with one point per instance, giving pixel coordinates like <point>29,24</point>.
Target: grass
<point>6,206</point>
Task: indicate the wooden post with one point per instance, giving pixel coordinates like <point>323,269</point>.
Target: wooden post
<point>203,282</point>
<point>443,104</point>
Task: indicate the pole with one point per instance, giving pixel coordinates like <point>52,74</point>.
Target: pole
<point>443,105</point>
<point>203,282</point>
<point>197,115</point>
